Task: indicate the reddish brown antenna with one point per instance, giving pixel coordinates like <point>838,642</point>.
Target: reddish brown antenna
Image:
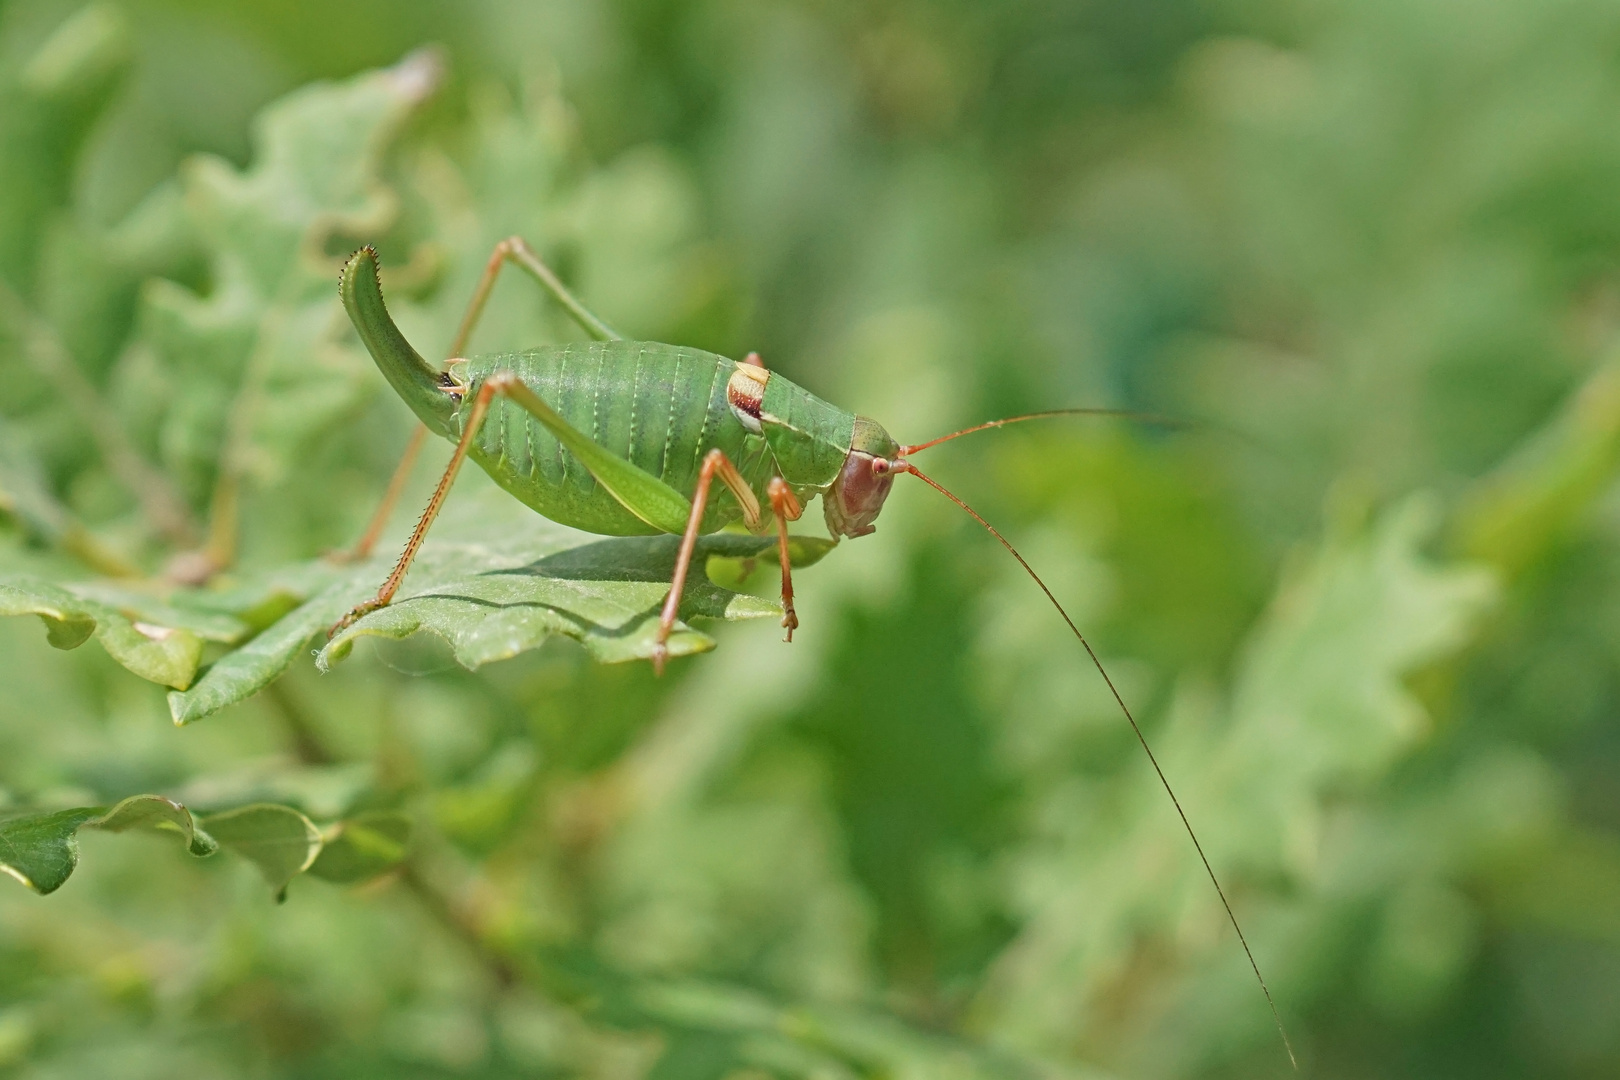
<point>907,467</point>
<point>1124,414</point>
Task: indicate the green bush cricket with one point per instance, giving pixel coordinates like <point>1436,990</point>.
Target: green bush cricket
<point>664,422</point>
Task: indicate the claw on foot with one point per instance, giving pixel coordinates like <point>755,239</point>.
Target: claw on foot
<point>355,615</point>
<point>191,568</point>
<point>660,656</point>
<point>790,619</point>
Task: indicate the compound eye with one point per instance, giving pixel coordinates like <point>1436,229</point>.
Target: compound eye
<point>880,466</point>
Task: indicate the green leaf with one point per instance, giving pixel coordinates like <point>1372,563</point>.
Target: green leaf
<point>47,108</point>
<point>263,363</point>
<point>156,812</point>
<point>279,840</point>
<point>489,599</point>
<point>245,671</point>
<point>363,847</point>
<point>41,850</point>
<point>151,639</point>
<point>67,624</point>
<point>490,604</point>
<point>759,572</point>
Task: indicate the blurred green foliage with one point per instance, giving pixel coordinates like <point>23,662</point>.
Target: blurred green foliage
<point>1367,605</point>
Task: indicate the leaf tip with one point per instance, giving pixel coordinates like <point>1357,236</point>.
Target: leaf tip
<point>419,74</point>
<point>202,845</point>
<point>333,652</point>
<point>180,709</point>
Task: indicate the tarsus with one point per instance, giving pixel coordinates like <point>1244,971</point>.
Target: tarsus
<point>905,466</point>
<point>1124,414</point>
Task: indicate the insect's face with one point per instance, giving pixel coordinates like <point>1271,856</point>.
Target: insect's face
<point>856,497</point>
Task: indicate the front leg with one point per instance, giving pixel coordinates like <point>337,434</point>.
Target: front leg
<point>786,507</point>
<point>715,463</point>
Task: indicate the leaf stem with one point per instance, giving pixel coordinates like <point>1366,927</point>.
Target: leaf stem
<point>462,923</point>
<point>456,918</point>
<point>225,510</point>
<point>307,745</point>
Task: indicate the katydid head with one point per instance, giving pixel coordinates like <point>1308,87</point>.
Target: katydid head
<point>863,483</point>
<point>857,495</point>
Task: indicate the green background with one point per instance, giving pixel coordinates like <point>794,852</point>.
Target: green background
<point>1366,604</point>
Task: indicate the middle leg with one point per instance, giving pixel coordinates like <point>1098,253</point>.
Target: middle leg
<point>385,594</point>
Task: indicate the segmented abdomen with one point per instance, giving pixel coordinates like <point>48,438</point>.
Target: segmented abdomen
<point>661,407</point>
